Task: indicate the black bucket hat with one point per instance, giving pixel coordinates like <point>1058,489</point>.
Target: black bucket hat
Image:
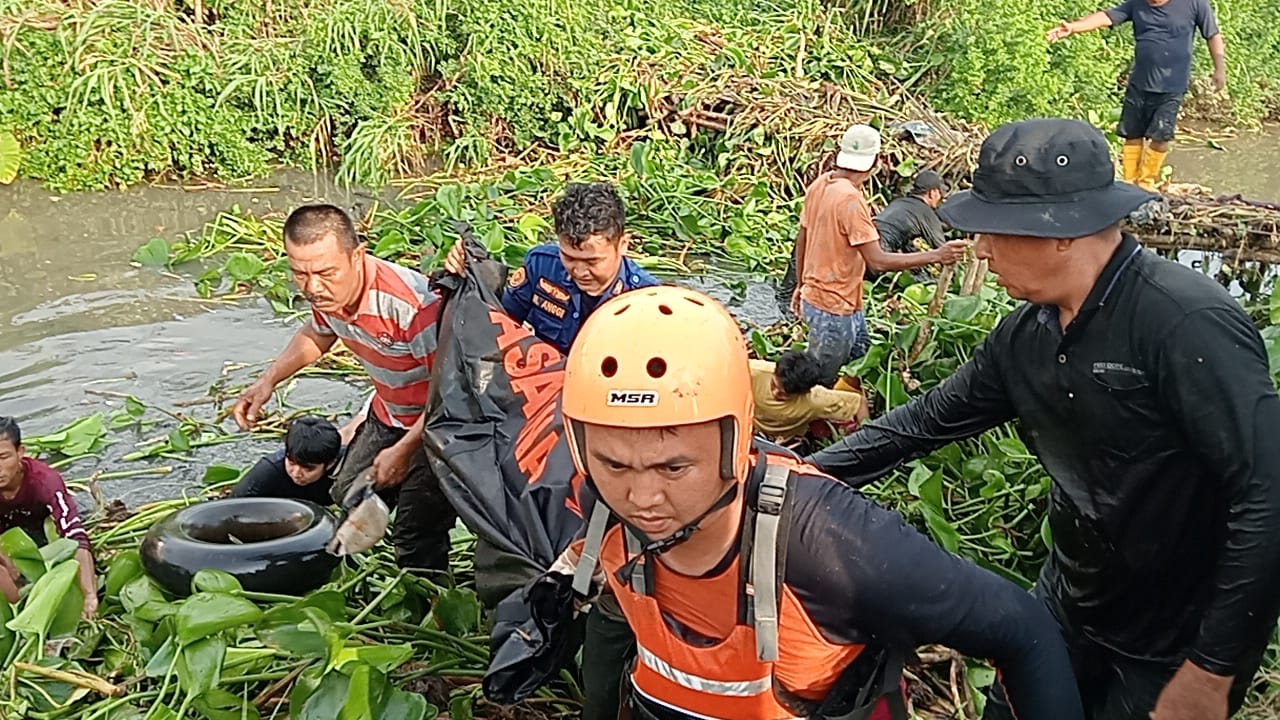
<point>1047,178</point>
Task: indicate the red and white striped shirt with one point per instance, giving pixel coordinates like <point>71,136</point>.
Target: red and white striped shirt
<point>393,333</point>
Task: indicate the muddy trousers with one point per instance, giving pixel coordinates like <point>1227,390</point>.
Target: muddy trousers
<point>424,515</point>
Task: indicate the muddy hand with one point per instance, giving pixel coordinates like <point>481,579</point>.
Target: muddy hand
<point>456,261</point>
<point>390,466</point>
<point>250,403</point>
<point>952,252</point>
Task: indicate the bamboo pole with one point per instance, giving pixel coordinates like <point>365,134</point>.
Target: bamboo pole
<point>935,307</point>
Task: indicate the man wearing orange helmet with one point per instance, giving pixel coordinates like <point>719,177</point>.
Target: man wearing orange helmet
<point>756,586</point>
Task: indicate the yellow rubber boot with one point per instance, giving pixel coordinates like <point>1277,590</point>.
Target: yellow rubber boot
<point>1149,174</point>
<point>1131,161</point>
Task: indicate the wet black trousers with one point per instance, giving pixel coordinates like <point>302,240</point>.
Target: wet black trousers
<point>424,515</point>
<point>1118,687</point>
<point>608,649</point>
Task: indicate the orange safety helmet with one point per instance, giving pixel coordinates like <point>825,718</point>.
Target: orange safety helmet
<point>659,357</point>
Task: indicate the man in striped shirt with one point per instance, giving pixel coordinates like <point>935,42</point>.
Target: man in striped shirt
<point>386,314</point>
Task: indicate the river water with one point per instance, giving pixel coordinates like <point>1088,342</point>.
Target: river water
<point>76,318</point>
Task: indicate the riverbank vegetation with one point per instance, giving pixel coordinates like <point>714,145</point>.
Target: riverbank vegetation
<point>106,93</point>
<point>710,117</point>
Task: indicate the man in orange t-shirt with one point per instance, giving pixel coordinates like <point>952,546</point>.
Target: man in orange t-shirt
<point>836,244</point>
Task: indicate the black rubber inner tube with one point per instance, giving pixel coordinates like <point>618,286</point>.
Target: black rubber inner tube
<point>272,545</point>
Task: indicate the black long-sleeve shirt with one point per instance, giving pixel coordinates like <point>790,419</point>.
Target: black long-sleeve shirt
<point>1152,413</point>
<point>862,574</point>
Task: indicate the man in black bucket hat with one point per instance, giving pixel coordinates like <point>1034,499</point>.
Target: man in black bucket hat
<point>1144,389</point>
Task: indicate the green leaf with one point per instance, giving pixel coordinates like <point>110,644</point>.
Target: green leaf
<point>70,606</point>
<point>298,630</point>
<point>327,700</point>
<point>45,598</point>
<point>461,707</point>
<point>142,592</point>
<point>206,613</point>
<point>402,705</point>
<point>58,550</point>
<point>1011,446</point>
<point>457,610</point>
<point>163,659</point>
<point>7,636</point>
<point>154,254</point>
<point>162,712</point>
<point>360,702</point>
<point>449,197</point>
<point>10,157</point>
<point>943,532</point>
<point>244,266</point>
<point>220,704</point>
<point>134,406</point>
<point>1275,305</point>
<point>308,682</point>
<point>1046,533</point>
<point>215,581</point>
<point>178,440</point>
<point>218,474</point>
<point>330,602</point>
<point>962,308</point>
<point>382,657</point>
<point>200,665</point>
<point>24,553</point>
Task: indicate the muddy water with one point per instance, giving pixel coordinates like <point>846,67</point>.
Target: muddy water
<point>1248,164</point>
<point>77,318</point>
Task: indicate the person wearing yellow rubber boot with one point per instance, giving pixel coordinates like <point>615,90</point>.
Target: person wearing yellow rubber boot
<point>1164,31</point>
<point>757,587</point>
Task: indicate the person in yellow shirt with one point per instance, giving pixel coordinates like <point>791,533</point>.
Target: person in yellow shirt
<point>789,396</point>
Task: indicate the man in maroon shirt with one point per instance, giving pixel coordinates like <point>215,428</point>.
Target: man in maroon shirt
<point>31,491</point>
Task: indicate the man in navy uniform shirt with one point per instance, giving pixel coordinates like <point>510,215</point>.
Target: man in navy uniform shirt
<point>559,285</point>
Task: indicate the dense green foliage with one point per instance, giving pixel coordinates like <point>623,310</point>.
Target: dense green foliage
<point>992,62</point>
<point>108,93</point>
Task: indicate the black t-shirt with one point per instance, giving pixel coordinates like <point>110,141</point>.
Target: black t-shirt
<point>906,219</point>
<point>1165,38</point>
<point>268,478</point>
<point>1155,414</point>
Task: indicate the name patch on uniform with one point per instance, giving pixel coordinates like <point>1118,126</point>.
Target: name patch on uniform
<point>555,291</point>
<point>1115,367</point>
<point>633,398</point>
<point>549,306</point>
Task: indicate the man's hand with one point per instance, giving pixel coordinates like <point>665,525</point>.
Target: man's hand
<point>1062,31</point>
<point>456,261</point>
<point>391,465</point>
<point>952,251</point>
<point>250,402</point>
<point>1219,80</point>
<point>795,303</point>
<point>90,606</point>
<point>1193,694</point>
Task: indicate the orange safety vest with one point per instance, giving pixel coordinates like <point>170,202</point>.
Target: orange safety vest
<point>728,679</point>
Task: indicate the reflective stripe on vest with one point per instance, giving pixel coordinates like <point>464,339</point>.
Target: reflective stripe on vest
<point>739,688</point>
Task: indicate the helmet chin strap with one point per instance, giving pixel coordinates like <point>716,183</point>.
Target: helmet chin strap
<point>658,547</point>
